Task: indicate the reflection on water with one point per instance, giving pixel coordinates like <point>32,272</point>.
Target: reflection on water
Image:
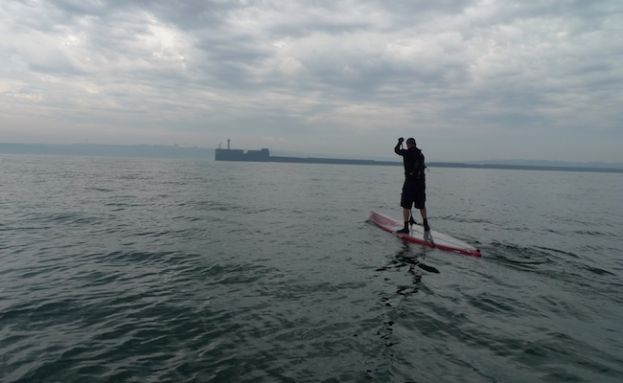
<point>406,258</point>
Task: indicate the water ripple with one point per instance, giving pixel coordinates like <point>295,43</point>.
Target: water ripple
<point>182,271</point>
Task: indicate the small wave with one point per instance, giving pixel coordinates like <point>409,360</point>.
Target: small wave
<point>100,189</point>
<point>135,256</point>
<point>598,271</point>
<point>70,218</point>
<point>592,233</point>
<point>528,258</point>
<point>571,254</point>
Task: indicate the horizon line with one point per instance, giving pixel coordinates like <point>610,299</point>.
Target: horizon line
<point>486,163</point>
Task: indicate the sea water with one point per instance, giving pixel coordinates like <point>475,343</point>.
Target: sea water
<point>152,270</point>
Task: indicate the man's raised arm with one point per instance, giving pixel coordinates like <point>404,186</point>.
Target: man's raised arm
<point>398,148</point>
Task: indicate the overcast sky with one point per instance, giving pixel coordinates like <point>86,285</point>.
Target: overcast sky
<point>470,80</point>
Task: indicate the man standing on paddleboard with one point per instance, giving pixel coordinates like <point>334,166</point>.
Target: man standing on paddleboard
<point>414,187</point>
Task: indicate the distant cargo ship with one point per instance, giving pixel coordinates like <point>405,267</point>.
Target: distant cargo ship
<point>240,155</point>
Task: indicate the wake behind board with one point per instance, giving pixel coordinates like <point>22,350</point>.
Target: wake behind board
<point>432,239</point>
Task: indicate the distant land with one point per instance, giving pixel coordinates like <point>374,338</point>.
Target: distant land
<point>153,151</point>
<point>174,151</point>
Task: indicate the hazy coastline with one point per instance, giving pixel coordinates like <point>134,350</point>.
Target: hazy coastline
<point>180,152</point>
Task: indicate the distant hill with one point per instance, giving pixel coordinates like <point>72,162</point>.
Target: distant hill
<point>536,163</point>
<point>158,151</point>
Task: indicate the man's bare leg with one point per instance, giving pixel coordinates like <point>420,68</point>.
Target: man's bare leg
<point>406,213</point>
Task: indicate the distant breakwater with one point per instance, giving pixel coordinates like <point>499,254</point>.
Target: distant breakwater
<point>263,155</point>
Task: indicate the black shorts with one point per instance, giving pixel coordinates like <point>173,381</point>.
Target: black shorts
<point>413,194</point>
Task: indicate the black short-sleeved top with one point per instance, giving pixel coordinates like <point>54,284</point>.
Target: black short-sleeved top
<point>413,161</point>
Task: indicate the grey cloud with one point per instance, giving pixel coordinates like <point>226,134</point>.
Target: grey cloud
<point>320,65</point>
